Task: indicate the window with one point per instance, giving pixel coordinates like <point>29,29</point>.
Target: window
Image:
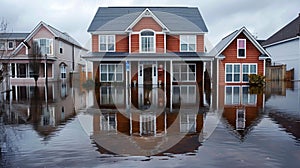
<point>63,71</point>
<point>60,47</point>
<point>2,45</point>
<point>147,41</point>
<point>232,72</point>
<point>111,73</point>
<point>247,70</point>
<point>46,46</point>
<point>188,123</point>
<point>184,94</point>
<point>107,43</point>
<point>184,72</point>
<point>236,95</point>
<point>10,45</point>
<point>240,119</point>
<point>188,43</point>
<point>108,122</point>
<point>111,95</point>
<point>241,48</point>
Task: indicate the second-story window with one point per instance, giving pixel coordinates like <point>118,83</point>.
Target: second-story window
<point>10,45</point>
<point>2,45</point>
<point>241,48</point>
<point>46,46</point>
<point>106,43</point>
<point>147,41</point>
<point>60,43</point>
<point>188,43</point>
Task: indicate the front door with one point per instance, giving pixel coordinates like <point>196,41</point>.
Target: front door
<point>148,74</point>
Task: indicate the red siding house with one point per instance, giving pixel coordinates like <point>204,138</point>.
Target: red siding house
<point>155,45</point>
<point>238,55</point>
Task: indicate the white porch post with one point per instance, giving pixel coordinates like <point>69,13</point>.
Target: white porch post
<point>16,72</point>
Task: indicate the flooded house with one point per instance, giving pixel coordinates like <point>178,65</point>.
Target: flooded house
<point>284,47</point>
<point>155,45</point>
<point>59,54</point>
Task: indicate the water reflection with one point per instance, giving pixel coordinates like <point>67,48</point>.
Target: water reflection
<point>146,121</point>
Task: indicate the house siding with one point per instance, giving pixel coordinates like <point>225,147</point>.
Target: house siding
<point>200,43</point>
<point>122,43</point>
<point>173,42</point>
<point>160,43</point>
<point>95,43</point>
<point>135,43</point>
<point>287,53</point>
<point>147,23</point>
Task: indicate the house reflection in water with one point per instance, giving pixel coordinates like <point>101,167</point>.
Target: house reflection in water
<point>44,108</point>
<point>138,120</point>
<point>240,108</point>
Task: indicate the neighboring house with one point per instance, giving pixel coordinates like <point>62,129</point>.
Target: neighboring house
<point>58,49</point>
<point>140,45</point>
<point>238,55</point>
<point>284,46</point>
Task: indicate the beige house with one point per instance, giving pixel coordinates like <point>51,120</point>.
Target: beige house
<point>60,56</point>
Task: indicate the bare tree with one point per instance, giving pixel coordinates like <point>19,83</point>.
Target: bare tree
<point>35,61</point>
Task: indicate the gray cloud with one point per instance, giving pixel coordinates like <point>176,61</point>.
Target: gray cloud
<point>262,18</point>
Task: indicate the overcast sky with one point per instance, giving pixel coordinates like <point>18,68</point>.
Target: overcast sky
<point>261,17</point>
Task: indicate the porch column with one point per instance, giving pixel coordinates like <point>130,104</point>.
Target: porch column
<point>16,72</point>
<point>171,86</point>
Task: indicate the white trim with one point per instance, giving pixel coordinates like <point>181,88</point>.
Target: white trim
<point>143,14</point>
<point>233,73</point>
<point>13,44</point>
<point>154,41</point>
<point>106,43</point>
<point>282,41</point>
<point>108,72</point>
<point>249,64</point>
<point>237,48</point>
<point>165,43</point>
<point>129,41</point>
<point>188,43</point>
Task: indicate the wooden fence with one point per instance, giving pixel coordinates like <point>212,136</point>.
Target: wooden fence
<point>279,73</point>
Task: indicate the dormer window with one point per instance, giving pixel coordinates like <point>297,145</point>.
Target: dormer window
<point>188,43</point>
<point>10,45</point>
<point>107,43</point>
<point>147,41</point>
<point>241,48</point>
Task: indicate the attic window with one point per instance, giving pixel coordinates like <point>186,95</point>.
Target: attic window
<point>241,48</point>
<point>147,13</point>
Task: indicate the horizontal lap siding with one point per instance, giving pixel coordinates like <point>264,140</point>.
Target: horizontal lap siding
<point>147,23</point>
<point>95,43</point>
<point>200,43</point>
<point>173,43</point>
<point>122,44</point>
<point>230,53</point>
<point>135,43</point>
<point>159,43</point>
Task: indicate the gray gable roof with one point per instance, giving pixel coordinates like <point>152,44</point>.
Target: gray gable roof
<point>289,31</point>
<point>221,46</point>
<point>183,19</point>
<point>13,36</point>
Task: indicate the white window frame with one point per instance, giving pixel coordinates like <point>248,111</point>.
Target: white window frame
<point>240,123</point>
<point>188,123</point>
<point>141,41</point>
<point>232,73</point>
<point>114,73</point>
<point>237,46</point>
<point>188,43</point>
<point>107,43</point>
<point>63,70</point>
<point>249,71</point>
<point>61,47</point>
<point>13,45</point>
<point>186,97</point>
<point>251,99</point>
<point>107,122</point>
<point>113,96</point>
<point>187,73</point>
<point>2,45</point>
<point>49,42</point>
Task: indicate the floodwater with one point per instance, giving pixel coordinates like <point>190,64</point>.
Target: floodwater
<point>179,126</point>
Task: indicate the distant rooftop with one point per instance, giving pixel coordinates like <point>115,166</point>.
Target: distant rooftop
<point>289,31</point>
<point>15,36</point>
